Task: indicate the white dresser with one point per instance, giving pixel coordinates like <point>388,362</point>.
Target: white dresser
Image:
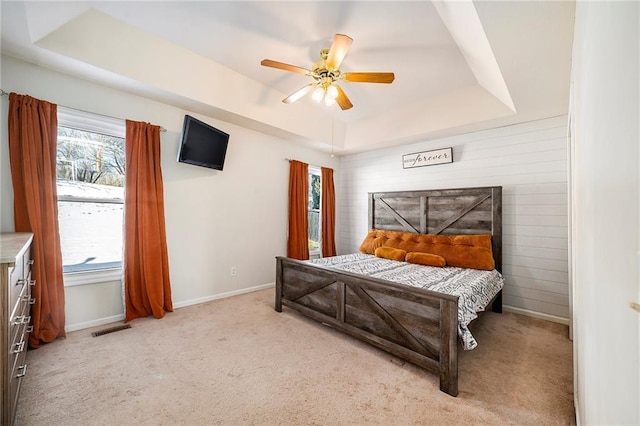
<point>16,282</point>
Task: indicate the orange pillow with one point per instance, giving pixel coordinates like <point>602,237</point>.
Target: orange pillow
<point>391,253</point>
<point>372,241</point>
<point>426,259</point>
<point>463,251</point>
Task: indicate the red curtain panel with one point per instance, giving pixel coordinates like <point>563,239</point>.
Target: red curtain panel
<point>33,130</point>
<point>146,264</point>
<point>298,240</point>
<point>328,215</point>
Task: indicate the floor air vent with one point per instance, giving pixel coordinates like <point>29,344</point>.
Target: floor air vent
<point>110,330</point>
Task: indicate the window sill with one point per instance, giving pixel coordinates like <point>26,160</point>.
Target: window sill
<point>72,279</point>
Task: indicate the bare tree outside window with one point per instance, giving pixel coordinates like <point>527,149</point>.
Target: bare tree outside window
<point>90,157</point>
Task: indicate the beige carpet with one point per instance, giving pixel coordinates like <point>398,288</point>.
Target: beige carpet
<point>237,361</point>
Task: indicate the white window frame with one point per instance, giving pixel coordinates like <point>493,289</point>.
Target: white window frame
<point>94,123</point>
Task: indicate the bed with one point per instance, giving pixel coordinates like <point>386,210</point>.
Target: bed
<point>415,324</point>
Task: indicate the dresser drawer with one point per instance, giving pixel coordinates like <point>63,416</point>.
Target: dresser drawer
<point>18,352</point>
<point>16,283</point>
<point>15,380</point>
<point>18,327</point>
<point>19,320</point>
<point>23,298</point>
<point>14,392</point>
<point>26,271</point>
<point>27,264</point>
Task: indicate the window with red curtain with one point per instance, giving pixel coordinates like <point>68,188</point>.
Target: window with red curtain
<point>328,214</point>
<point>298,237</point>
<point>33,128</point>
<point>146,264</point>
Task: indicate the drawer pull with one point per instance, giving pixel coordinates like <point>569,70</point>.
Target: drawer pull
<point>21,282</point>
<point>22,371</point>
<point>30,262</point>
<point>19,347</point>
<point>22,319</point>
<point>30,300</point>
<point>32,282</point>
<point>28,329</point>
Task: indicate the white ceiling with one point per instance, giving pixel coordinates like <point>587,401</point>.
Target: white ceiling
<point>460,66</point>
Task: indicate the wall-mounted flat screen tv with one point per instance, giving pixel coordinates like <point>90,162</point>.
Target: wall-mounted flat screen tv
<point>202,144</point>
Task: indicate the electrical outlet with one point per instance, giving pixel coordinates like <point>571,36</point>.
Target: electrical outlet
<point>234,272</point>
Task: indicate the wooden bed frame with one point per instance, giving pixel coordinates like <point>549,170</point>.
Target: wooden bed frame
<point>419,326</point>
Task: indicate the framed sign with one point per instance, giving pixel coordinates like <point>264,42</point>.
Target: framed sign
<point>427,158</point>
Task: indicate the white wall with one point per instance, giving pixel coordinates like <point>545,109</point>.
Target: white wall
<point>605,185</point>
<point>215,220</point>
<point>528,160</point>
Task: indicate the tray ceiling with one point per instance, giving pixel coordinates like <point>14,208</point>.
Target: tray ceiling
<point>459,66</point>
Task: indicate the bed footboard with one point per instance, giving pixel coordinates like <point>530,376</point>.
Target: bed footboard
<point>419,326</point>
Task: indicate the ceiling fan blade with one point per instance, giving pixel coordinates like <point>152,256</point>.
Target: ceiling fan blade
<point>283,66</point>
<point>338,50</point>
<point>369,77</point>
<point>298,94</point>
<point>342,100</point>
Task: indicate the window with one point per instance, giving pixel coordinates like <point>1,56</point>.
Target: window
<point>314,210</point>
<point>90,184</point>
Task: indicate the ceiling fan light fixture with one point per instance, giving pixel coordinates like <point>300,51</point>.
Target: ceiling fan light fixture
<point>326,74</point>
<point>317,94</point>
<point>329,101</point>
<point>332,92</point>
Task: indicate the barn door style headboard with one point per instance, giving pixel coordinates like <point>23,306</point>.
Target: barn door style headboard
<point>441,211</point>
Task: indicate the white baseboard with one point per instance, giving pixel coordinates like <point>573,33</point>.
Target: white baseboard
<point>538,315</point>
<point>116,318</point>
<point>222,295</point>
<point>93,323</point>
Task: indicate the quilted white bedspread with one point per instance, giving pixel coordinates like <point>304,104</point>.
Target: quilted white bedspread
<point>474,287</point>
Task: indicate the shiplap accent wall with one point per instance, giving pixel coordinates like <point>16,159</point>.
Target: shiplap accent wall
<point>528,160</point>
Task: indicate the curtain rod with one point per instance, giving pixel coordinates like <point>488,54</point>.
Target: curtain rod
<point>293,159</point>
<point>162,129</point>
<point>310,165</point>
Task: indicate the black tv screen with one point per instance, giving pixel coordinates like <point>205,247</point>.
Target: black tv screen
<point>202,144</point>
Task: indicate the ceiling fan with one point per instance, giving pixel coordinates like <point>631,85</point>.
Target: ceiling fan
<point>326,74</point>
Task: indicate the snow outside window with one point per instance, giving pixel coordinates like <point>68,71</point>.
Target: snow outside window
<point>90,184</point>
